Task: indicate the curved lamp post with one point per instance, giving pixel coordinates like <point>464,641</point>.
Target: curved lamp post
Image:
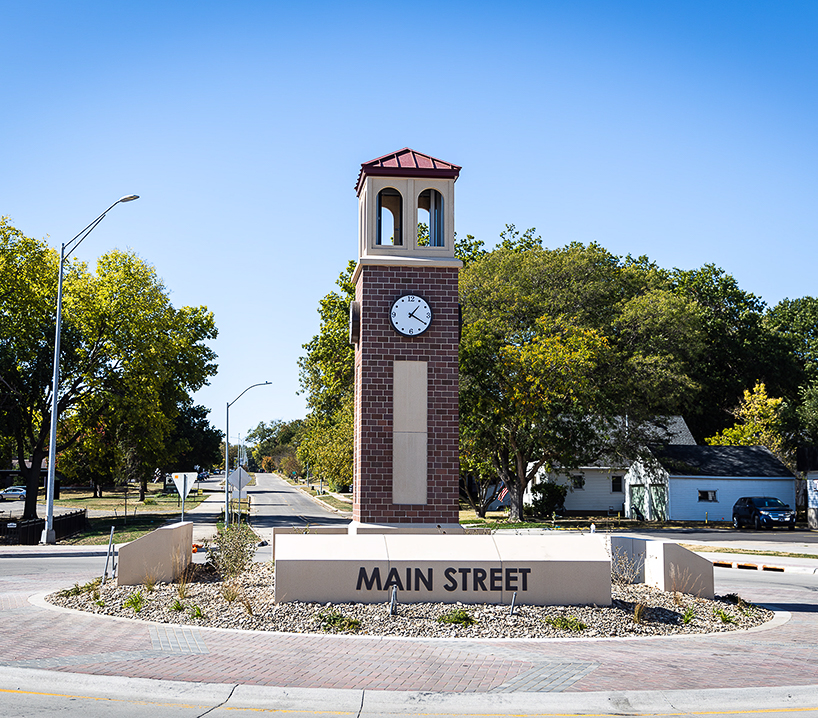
<point>49,535</point>
<point>227,451</point>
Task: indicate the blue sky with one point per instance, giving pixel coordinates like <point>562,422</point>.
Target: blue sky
<point>686,131</point>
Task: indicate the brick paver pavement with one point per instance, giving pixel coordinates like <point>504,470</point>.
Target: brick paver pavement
<point>36,637</point>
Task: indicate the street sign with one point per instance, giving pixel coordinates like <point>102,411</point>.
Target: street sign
<point>238,478</point>
<point>184,482</point>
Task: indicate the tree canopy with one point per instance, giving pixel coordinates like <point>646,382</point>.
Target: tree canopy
<point>129,359</point>
<point>571,354</point>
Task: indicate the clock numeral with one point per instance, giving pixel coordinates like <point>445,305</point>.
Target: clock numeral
<point>411,331</point>
<point>394,314</point>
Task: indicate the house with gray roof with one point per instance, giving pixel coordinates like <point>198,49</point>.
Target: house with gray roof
<point>599,488</point>
<point>701,483</point>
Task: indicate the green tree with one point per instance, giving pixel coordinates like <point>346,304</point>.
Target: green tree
<point>277,442</point>
<point>566,354</point>
<point>193,441</point>
<point>127,355</point>
<point>327,446</point>
<point>326,377</point>
<point>759,422</point>
<point>740,348</point>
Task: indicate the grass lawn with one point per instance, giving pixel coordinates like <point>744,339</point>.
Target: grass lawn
<point>125,529</point>
<point>114,499</point>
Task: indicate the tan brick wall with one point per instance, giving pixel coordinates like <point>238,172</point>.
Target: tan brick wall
<point>380,345</point>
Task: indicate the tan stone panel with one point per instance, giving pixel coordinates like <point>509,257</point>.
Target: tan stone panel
<point>409,468</point>
<point>160,555</point>
<point>321,568</point>
<point>409,398</point>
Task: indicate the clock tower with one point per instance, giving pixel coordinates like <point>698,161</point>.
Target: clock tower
<point>405,325</point>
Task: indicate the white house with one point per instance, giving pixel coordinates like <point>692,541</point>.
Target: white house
<point>698,483</point>
<point>600,488</point>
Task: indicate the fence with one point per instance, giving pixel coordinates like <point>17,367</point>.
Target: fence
<point>28,533</point>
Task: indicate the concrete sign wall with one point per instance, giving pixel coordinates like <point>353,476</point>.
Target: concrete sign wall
<point>542,570</point>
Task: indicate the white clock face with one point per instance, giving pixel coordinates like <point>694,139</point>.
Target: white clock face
<point>410,315</point>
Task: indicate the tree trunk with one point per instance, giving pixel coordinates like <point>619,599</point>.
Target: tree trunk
<point>515,491</point>
<point>32,480</point>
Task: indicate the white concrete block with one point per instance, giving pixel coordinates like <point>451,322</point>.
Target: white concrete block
<point>542,570</point>
<point>161,555</point>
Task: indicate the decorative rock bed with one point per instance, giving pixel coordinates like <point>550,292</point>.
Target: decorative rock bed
<point>247,603</point>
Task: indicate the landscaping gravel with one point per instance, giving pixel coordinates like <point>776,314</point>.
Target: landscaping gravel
<point>247,603</point>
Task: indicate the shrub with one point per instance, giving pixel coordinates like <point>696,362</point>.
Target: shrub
<point>548,498</point>
<point>230,591</point>
<point>625,568</point>
<point>639,613</point>
<point>334,621</point>
<point>689,615</point>
<point>236,546</point>
<point>77,590</point>
<point>177,605</point>
<point>723,615</point>
<point>135,601</point>
<point>566,623</point>
<point>458,616</point>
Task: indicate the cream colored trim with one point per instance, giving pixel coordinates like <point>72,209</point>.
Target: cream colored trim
<point>386,261</point>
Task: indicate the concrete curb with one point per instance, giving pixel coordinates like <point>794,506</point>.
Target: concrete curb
<point>737,561</point>
<point>371,703</point>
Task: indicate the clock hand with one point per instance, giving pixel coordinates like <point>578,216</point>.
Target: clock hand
<point>418,318</point>
<point>412,315</point>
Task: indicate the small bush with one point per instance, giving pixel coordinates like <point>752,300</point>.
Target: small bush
<point>177,605</point>
<point>548,498</point>
<point>136,601</point>
<point>236,546</point>
<point>625,568</point>
<point>639,613</point>
<point>458,616</point>
<point>725,617</point>
<point>196,612</point>
<point>335,621</point>
<point>77,590</point>
<point>566,623</point>
<point>230,592</point>
<point>688,615</point>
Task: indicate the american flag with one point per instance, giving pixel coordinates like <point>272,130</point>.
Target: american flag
<point>503,493</point>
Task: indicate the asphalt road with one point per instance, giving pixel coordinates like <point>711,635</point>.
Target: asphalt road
<point>726,535</point>
<point>276,503</point>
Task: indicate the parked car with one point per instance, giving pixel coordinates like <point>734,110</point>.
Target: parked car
<point>762,512</point>
<point>12,493</point>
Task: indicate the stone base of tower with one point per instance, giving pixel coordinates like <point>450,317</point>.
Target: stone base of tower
<point>357,528</point>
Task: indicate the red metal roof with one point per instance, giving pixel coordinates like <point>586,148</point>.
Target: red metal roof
<point>407,163</point>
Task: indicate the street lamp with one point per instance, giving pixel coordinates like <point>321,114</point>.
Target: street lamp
<point>227,451</point>
<point>49,535</point>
